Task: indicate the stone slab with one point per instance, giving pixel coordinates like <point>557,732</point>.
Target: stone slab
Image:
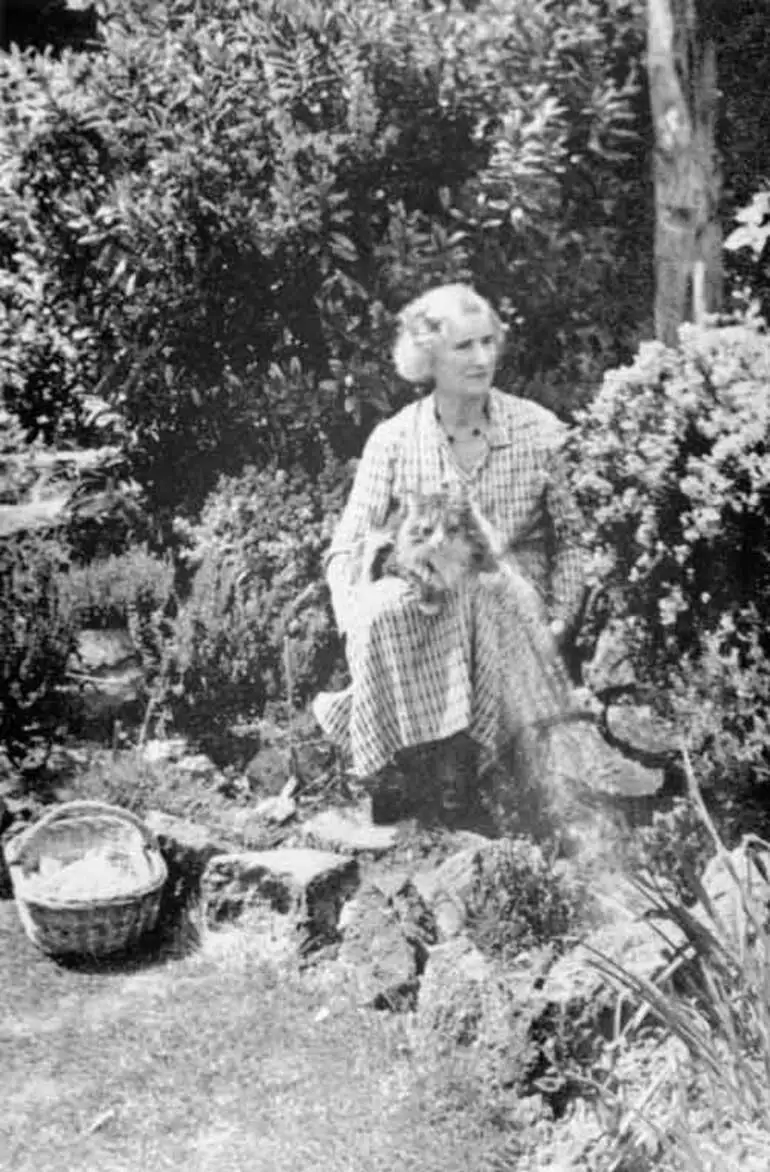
<point>351,832</point>
<point>187,848</point>
<point>308,885</point>
<point>186,837</point>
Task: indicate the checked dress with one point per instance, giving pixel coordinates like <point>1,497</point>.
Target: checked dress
<point>485,663</point>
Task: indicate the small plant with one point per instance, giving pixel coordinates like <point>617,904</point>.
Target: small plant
<point>522,901</point>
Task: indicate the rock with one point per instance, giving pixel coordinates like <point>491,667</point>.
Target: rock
<point>108,675</point>
<point>586,768</point>
<point>104,651</point>
<point>251,832</point>
<point>447,888</point>
<point>468,1002</point>
<point>268,770</point>
<point>642,730</point>
<point>611,665</point>
<point>307,885</point>
<point>349,831</point>
<point>292,787</point>
<point>196,765</point>
<point>187,848</point>
<point>312,758</point>
<point>282,752</point>
<point>387,932</point>
<point>576,989</point>
<point>277,810</point>
<point>191,843</point>
<point>462,882</point>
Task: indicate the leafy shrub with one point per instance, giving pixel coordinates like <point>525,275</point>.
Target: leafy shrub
<point>256,558</point>
<point>674,482</point>
<point>107,592</point>
<point>673,479</point>
<point>37,638</point>
<point>212,221</point>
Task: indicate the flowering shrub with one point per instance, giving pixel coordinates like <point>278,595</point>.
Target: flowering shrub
<point>256,563</point>
<point>673,478</point>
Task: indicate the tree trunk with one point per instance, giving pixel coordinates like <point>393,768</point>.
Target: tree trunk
<point>683,98</point>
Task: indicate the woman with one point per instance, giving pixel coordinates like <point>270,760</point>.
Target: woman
<point>474,677</point>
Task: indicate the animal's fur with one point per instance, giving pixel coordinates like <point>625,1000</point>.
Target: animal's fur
<point>433,542</point>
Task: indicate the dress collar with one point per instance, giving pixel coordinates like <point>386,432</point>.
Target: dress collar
<point>498,435</point>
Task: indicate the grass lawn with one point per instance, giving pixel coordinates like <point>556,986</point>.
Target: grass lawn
<point>213,1061</point>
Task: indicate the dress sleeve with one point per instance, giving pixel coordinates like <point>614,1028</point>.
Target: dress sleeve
<point>564,539</point>
<point>367,508</point>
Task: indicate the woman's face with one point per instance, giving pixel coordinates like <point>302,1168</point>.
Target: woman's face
<point>465,359</point>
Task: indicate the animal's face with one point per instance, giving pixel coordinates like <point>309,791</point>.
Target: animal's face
<point>443,533</point>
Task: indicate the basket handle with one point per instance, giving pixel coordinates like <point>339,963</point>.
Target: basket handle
<point>16,847</point>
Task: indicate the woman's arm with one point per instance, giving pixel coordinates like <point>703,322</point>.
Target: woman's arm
<point>367,508</point>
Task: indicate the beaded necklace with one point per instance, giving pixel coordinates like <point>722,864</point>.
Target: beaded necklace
<point>476,432</point>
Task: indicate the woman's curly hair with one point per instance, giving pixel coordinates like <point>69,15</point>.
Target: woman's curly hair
<point>422,327</point>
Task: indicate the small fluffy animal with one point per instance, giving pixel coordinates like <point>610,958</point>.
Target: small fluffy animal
<point>432,542</point>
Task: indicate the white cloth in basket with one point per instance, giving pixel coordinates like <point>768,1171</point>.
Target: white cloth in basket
<point>101,873</point>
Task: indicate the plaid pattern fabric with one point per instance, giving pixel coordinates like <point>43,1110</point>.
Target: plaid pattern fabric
<point>486,662</point>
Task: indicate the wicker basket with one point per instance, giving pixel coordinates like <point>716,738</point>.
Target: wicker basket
<point>85,926</point>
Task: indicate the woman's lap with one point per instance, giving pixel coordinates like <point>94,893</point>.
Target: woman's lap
<point>411,671</point>
<point>481,665</point>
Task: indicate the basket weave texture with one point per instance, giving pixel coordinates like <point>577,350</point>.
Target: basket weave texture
<point>74,921</point>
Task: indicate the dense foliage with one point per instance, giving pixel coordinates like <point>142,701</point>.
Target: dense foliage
<point>674,481</point>
<point>37,638</point>
<point>206,228</point>
<point>256,596</point>
<point>209,224</point>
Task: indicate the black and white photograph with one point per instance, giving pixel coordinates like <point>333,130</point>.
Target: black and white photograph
<point>385,585</point>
